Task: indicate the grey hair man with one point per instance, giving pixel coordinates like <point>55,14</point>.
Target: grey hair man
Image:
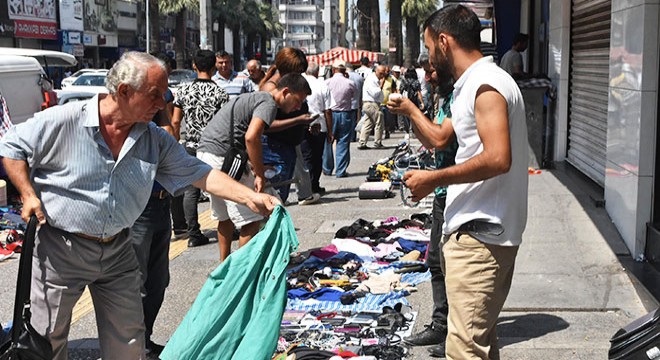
<point>85,170</point>
<point>254,71</point>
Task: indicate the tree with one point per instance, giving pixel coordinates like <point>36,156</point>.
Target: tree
<point>396,33</point>
<point>178,7</point>
<point>364,24</point>
<point>375,25</point>
<point>415,12</point>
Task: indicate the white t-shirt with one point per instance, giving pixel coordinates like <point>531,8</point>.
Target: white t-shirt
<point>510,60</point>
<point>501,199</point>
<point>320,100</point>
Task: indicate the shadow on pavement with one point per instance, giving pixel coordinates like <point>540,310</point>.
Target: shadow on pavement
<point>514,329</point>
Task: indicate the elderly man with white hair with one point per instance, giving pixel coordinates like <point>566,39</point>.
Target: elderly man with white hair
<point>85,170</point>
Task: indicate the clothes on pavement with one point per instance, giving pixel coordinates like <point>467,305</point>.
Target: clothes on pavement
<point>242,300</point>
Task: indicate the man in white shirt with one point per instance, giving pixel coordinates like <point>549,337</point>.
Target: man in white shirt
<point>372,97</point>
<point>364,70</point>
<point>320,102</point>
<point>486,210</point>
<point>512,61</point>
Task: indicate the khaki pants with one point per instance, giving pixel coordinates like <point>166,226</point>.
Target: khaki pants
<point>478,278</point>
<point>373,120</point>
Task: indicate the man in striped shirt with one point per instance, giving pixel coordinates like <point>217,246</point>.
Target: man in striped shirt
<point>233,82</point>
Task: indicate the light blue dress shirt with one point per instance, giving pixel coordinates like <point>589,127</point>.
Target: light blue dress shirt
<point>82,188</point>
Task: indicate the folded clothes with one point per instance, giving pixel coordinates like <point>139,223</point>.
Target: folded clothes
<point>408,246</point>
<point>323,294</point>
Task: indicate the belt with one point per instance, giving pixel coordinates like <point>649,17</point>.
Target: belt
<point>482,227</point>
<point>160,195</point>
<point>99,239</point>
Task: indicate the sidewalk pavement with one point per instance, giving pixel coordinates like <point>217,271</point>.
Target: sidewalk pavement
<point>570,293</point>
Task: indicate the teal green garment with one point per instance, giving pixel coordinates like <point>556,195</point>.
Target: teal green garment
<point>237,313</point>
<point>445,158</point>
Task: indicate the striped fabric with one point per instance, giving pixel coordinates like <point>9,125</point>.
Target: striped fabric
<point>370,302</point>
<point>5,119</point>
<point>349,56</point>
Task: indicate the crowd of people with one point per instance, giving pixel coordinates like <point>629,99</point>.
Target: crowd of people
<point>83,168</point>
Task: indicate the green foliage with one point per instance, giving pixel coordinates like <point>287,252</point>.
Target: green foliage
<point>420,9</point>
<point>174,6</point>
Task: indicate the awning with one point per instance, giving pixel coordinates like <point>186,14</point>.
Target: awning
<point>350,56</point>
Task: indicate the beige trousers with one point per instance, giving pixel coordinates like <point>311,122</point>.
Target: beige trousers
<point>374,120</point>
<point>478,278</point>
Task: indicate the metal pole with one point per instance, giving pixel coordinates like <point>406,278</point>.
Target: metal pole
<point>148,30</point>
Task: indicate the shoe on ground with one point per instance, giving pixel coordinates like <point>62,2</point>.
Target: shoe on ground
<point>320,190</point>
<point>362,147</point>
<point>429,336</point>
<point>5,254</point>
<point>326,173</point>
<point>437,351</point>
<point>198,241</point>
<point>378,146</point>
<point>310,200</point>
<point>342,175</point>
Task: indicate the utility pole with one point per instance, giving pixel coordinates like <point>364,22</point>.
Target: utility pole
<point>148,31</point>
<point>205,25</point>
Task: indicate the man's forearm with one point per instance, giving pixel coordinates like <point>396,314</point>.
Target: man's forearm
<point>279,125</point>
<point>18,173</point>
<point>221,185</point>
<point>478,168</point>
<point>255,153</point>
<point>431,135</point>
<point>328,119</point>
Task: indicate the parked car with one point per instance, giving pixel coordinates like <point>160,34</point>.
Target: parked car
<point>69,80</point>
<point>67,96</point>
<point>181,76</point>
<point>90,82</point>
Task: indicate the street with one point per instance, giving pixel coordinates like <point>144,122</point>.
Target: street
<point>570,293</point>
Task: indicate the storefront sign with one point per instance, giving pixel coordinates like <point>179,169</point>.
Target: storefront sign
<point>88,39</point>
<point>71,15</point>
<point>101,17</point>
<point>35,30</point>
<point>75,50</point>
<point>74,38</point>
<point>33,10</point>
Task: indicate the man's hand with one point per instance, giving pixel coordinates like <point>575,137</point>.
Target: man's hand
<point>401,106</point>
<point>259,183</point>
<point>32,205</point>
<point>420,183</point>
<point>330,138</point>
<point>305,119</point>
<point>263,203</point>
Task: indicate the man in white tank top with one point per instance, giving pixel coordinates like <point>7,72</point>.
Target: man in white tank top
<point>486,209</point>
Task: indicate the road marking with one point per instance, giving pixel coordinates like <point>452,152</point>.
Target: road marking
<point>84,305</point>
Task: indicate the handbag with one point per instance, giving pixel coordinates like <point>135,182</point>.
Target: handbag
<point>236,158</point>
<point>26,343</point>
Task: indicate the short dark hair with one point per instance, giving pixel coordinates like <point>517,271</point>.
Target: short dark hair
<point>364,61</point>
<point>166,59</point>
<point>222,53</point>
<point>459,22</point>
<point>520,38</point>
<point>295,82</point>
<point>204,60</point>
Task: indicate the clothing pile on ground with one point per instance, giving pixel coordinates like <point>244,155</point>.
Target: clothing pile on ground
<point>12,228</point>
<point>348,299</point>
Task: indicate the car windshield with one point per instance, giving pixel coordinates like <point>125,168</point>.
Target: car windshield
<point>90,80</point>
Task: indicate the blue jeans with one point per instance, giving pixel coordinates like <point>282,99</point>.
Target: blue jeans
<point>342,128</point>
<point>150,235</point>
<point>276,153</point>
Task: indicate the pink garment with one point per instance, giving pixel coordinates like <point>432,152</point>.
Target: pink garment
<point>325,253</point>
<point>383,249</point>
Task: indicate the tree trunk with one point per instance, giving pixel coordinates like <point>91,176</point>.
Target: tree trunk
<point>263,48</point>
<point>180,40</point>
<point>221,34</point>
<point>412,42</point>
<point>396,36</point>
<point>236,44</point>
<point>154,27</point>
<point>375,26</point>
<point>364,25</point>
<point>251,40</point>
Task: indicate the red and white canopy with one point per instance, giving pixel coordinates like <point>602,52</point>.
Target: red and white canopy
<point>350,56</point>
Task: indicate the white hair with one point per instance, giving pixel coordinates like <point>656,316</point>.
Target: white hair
<point>131,69</point>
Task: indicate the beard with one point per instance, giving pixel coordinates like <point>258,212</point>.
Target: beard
<point>444,72</point>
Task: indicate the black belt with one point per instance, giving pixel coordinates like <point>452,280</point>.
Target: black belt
<point>160,195</point>
<point>482,227</point>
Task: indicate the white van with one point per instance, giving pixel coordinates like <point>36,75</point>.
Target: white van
<point>22,84</point>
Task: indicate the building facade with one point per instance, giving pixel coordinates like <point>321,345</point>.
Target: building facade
<point>311,25</point>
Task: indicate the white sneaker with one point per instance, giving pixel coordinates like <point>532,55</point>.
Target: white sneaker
<point>310,200</point>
